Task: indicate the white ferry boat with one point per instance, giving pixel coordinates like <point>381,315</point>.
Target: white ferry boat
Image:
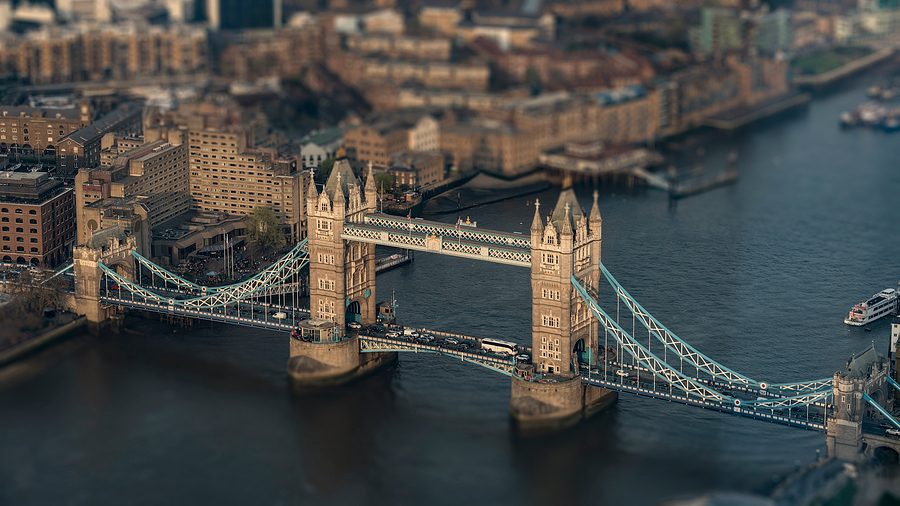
<point>881,304</point>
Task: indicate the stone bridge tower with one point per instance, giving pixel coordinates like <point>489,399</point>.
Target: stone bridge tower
<point>563,330</point>
<point>341,273</point>
<point>866,374</point>
<point>341,284</point>
<point>112,247</point>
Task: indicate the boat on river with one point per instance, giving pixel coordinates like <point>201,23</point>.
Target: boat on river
<point>877,306</point>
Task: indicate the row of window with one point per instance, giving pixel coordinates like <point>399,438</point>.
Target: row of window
<point>550,321</point>
<point>326,284</point>
<point>18,220</point>
<point>18,248</point>
<point>20,239</point>
<point>17,211</point>
<point>20,230</point>
<point>549,294</point>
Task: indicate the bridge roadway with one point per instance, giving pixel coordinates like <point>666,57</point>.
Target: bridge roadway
<point>435,237</point>
<point>248,314</point>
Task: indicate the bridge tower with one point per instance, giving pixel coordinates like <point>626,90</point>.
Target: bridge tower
<point>865,376</point>
<point>341,282</point>
<point>563,330</point>
<point>341,273</point>
<point>111,246</point>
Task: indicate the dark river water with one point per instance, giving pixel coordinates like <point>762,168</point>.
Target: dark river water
<point>758,275</point>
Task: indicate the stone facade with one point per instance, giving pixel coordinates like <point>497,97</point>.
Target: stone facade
<point>341,273</point>
<point>562,325</point>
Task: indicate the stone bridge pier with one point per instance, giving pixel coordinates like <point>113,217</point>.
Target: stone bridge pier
<point>848,437</point>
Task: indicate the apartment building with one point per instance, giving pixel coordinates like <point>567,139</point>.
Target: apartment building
<point>417,168</point>
<point>383,139</point>
<point>37,219</point>
<point>156,171</point>
<point>37,130</point>
<point>490,145</point>
<point>227,176</point>
<point>81,149</point>
<point>89,52</point>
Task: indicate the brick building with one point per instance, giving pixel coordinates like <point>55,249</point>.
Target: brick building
<point>37,219</point>
<point>37,130</point>
<point>81,149</point>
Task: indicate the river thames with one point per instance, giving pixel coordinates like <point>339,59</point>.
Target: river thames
<point>758,275</point>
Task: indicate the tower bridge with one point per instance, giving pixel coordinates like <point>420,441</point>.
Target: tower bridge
<point>581,358</point>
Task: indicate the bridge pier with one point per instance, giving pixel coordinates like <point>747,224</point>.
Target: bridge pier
<point>538,408</point>
<point>319,364</point>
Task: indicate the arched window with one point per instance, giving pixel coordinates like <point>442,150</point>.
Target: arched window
<point>18,211</point>
<point>32,211</point>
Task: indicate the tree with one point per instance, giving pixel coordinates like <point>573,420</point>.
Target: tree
<point>324,169</point>
<point>384,181</point>
<point>263,229</point>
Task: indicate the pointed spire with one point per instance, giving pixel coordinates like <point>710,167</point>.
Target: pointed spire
<point>595,211</point>
<point>313,193</point>
<point>567,223</point>
<point>536,226</point>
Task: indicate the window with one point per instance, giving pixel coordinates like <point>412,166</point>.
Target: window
<point>34,250</point>
<point>34,239</point>
<point>550,294</point>
<point>4,220</point>
<point>20,239</point>
<point>20,248</point>
<point>18,211</point>
<point>550,321</point>
<point>325,284</point>
<point>33,222</point>
<point>550,259</point>
<point>6,238</point>
<point>18,220</point>
<point>19,230</point>
<point>32,211</point>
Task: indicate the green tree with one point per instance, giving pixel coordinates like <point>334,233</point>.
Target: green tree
<point>263,229</point>
<point>384,181</point>
<point>324,169</point>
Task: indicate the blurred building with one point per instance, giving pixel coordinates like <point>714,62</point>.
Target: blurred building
<point>37,130</point>
<point>723,30</point>
<point>491,145</point>
<point>37,218</point>
<point>417,168</point>
<point>90,52</point>
<point>380,141</point>
<point>239,14</point>
<point>85,10</point>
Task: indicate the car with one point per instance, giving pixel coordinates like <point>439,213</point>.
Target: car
<point>523,358</point>
<point>622,373</point>
<point>354,325</point>
<point>892,432</point>
<point>393,334</point>
<point>462,347</point>
<point>582,366</point>
<point>422,340</point>
<point>451,340</point>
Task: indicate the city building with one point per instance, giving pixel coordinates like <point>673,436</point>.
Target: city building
<point>722,29</point>
<point>37,130</point>
<point>490,145</point>
<point>363,71</point>
<point>157,172</point>
<point>80,52</point>
<point>229,176</point>
<point>417,168</point>
<point>321,146</point>
<point>385,137</point>
<point>37,218</point>
<point>81,149</point>
<point>85,10</point>
<point>402,46</point>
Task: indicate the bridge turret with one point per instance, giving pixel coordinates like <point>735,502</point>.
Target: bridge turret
<point>371,191</point>
<point>537,228</point>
